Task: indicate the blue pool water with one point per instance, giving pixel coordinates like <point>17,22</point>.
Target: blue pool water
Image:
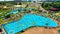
<point>26,21</point>
<point>14,12</point>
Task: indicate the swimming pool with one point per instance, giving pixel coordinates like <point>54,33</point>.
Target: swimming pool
<point>26,21</point>
<point>13,12</point>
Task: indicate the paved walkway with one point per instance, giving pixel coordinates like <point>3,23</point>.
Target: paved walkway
<point>40,30</point>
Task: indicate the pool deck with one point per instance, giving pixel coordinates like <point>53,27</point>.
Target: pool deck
<point>40,30</point>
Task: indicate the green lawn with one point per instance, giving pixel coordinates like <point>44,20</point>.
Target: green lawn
<point>4,12</point>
